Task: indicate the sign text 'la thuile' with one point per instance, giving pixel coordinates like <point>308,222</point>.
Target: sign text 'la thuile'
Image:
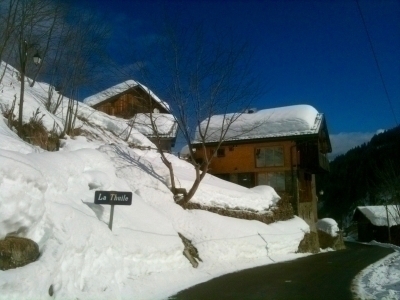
<point>113,198</point>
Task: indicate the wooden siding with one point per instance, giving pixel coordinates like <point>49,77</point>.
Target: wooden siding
<point>241,158</point>
<point>237,163</point>
<point>129,103</point>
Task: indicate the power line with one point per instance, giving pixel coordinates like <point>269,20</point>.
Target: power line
<point>376,62</point>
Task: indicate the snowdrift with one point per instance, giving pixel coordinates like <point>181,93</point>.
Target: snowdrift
<point>49,198</point>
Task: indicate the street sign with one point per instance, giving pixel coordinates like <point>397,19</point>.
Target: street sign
<point>112,198</point>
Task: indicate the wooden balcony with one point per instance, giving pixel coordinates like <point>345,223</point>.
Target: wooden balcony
<point>311,160</point>
<point>324,162</point>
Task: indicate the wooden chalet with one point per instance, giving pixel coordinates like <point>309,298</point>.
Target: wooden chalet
<point>282,147</point>
<point>134,101</point>
<point>376,222</point>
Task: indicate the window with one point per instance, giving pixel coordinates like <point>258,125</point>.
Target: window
<point>245,179</point>
<point>274,179</point>
<point>269,157</point>
<point>220,152</point>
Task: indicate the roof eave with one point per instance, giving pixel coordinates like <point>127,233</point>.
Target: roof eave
<point>293,137</point>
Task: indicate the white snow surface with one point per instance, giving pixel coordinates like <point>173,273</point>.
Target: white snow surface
<point>274,122</point>
<point>378,215</point>
<point>328,226</point>
<point>380,280</point>
<point>118,89</point>
<point>49,198</point>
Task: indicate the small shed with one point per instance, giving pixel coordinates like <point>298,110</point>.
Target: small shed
<point>135,102</point>
<point>375,223</point>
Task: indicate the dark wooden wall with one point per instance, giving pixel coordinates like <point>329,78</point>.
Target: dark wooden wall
<point>128,104</point>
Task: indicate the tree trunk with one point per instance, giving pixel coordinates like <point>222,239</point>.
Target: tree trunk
<point>196,184</point>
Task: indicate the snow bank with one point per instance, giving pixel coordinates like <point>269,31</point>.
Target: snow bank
<point>11,140</point>
<point>328,226</point>
<point>82,258</point>
<point>380,280</point>
<point>49,198</point>
<point>22,187</point>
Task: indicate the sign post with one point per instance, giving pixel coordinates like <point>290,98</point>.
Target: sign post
<point>112,198</point>
<point>111,217</point>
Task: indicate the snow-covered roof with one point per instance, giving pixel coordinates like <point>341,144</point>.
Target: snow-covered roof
<point>377,215</point>
<point>267,123</point>
<point>118,89</point>
<point>165,123</point>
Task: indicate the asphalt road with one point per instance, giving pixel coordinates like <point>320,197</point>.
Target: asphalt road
<point>322,276</point>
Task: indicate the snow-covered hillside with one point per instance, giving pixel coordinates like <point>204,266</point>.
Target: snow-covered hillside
<point>48,197</point>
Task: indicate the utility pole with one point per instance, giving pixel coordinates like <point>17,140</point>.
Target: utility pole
<point>388,224</point>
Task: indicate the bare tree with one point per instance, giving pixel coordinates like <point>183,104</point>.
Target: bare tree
<point>202,76</point>
<point>70,43</point>
<point>53,68</point>
<point>74,57</point>
<point>86,51</point>
<point>28,26</point>
<point>47,37</point>
<point>8,27</point>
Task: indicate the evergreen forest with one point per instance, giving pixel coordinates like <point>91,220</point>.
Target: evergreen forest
<point>366,175</point>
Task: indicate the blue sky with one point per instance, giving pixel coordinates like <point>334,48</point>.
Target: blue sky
<point>307,52</point>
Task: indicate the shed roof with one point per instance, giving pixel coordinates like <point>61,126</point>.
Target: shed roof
<point>377,215</point>
<point>118,89</point>
<point>165,123</point>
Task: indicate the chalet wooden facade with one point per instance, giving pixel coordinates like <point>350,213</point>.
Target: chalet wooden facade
<point>129,99</point>
<point>285,152</point>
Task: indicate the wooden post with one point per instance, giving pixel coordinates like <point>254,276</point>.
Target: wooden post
<point>111,217</point>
